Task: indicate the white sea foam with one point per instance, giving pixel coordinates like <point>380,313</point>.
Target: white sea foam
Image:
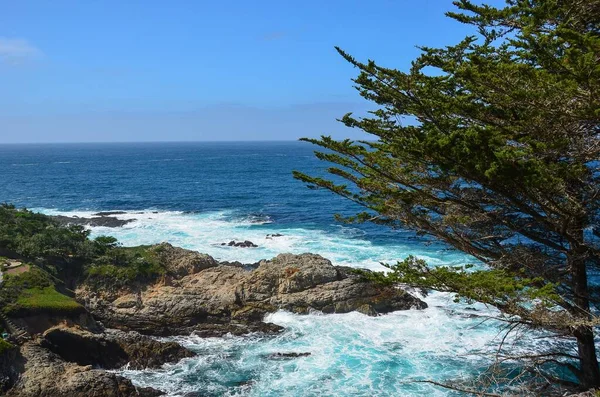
<point>351,354</point>
<point>206,232</point>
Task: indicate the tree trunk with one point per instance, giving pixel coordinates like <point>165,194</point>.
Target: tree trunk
<point>589,375</point>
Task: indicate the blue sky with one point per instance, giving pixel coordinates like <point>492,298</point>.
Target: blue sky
<point>87,71</point>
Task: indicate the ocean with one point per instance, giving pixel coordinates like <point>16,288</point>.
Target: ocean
<point>199,195</point>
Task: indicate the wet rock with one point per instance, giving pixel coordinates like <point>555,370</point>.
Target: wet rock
<point>95,221</point>
<point>242,244</point>
<point>245,266</point>
<point>109,213</point>
<point>288,355</point>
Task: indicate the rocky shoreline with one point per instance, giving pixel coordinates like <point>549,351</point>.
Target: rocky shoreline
<point>195,295</point>
<point>105,219</point>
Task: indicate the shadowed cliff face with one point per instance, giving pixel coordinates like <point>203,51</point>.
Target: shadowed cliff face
<point>199,294</point>
<point>11,365</point>
<point>71,361</point>
<point>111,349</point>
<point>46,374</point>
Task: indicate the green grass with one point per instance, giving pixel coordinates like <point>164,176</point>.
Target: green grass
<point>4,346</point>
<point>42,300</point>
<point>33,292</point>
<point>46,299</point>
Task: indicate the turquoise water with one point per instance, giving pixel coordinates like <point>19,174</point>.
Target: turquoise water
<point>351,354</point>
<point>199,195</point>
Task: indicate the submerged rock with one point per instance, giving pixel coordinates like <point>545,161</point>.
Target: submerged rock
<point>214,299</point>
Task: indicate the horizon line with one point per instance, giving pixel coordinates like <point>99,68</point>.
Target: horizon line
<point>182,141</point>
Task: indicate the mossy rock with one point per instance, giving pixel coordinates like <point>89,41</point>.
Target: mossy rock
<point>5,346</point>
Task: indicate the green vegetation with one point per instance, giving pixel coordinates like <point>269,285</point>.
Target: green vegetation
<point>34,278</point>
<point>68,254</point>
<point>123,265</point>
<point>4,346</point>
<point>33,292</point>
<point>61,257</point>
<point>492,146</point>
<point>33,235</point>
<point>47,300</point>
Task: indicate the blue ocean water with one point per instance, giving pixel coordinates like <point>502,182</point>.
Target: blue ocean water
<point>198,195</point>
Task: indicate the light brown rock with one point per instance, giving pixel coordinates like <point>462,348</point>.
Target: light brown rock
<point>216,299</point>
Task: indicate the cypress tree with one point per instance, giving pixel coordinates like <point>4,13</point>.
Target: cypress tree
<point>492,146</point>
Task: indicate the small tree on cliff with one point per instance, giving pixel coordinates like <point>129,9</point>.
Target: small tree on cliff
<point>500,158</point>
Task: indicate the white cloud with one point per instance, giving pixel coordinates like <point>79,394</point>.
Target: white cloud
<point>16,51</point>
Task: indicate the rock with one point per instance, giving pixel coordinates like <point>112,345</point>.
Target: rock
<point>112,348</point>
<point>242,244</point>
<point>233,299</point>
<point>180,262</point>
<point>10,364</point>
<point>106,221</point>
<point>109,213</point>
<point>288,355</point>
<point>301,283</point>
<point>45,374</point>
<point>37,323</point>
<point>270,236</point>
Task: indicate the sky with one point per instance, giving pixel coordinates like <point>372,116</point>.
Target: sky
<point>148,70</point>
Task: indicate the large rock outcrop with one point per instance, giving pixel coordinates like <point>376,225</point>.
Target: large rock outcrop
<point>198,294</point>
<point>111,349</point>
<point>46,374</point>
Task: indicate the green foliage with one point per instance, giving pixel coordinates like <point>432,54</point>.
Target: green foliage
<point>34,278</point>
<point>68,253</point>
<point>123,265</point>
<point>512,292</point>
<point>492,146</point>
<point>39,238</point>
<point>5,346</point>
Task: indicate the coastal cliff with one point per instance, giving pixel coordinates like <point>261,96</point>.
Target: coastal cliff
<point>68,353</point>
<point>198,294</point>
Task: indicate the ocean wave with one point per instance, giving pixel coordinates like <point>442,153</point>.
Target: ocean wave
<point>205,231</point>
<point>350,354</point>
